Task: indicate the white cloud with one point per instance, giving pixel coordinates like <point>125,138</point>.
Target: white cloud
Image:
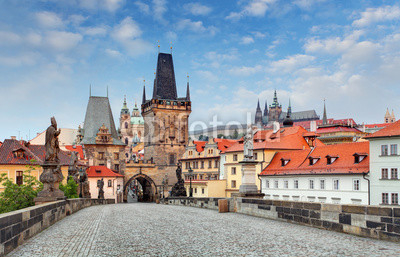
<point>307,4</point>
<point>49,20</point>
<point>375,15</point>
<point>255,8</point>
<point>245,70</point>
<point>108,5</point>
<point>95,31</point>
<point>247,40</point>
<point>62,40</point>
<point>258,34</point>
<point>144,8</point>
<point>76,19</point>
<point>207,75</point>
<point>171,36</point>
<point>197,9</point>
<point>25,59</point>
<point>291,63</point>
<point>196,26</point>
<point>113,53</point>
<point>9,38</point>
<point>34,39</point>
<point>159,8</point>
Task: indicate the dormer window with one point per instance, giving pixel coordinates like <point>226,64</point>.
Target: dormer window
<point>98,171</point>
<point>331,159</point>
<point>19,154</point>
<point>313,160</point>
<point>359,157</point>
<point>284,162</point>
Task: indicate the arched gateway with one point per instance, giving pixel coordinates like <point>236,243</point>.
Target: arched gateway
<point>149,189</point>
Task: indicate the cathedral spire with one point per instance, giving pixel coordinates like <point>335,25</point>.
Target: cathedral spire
<point>187,89</point>
<point>258,105</point>
<point>289,109</point>
<point>164,83</point>
<point>324,118</point>
<point>144,94</point>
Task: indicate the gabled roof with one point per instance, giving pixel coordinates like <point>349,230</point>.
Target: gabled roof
<point>290,138</point>
<point>31,152</point>
<point>199,145</point>
<point>307,124</point>
<point>164,83</point>
<point>98,112</point>
<point>377,125</point>
<point>299,164</point>
<point>310,114</point>
<point>66,137</point>
<point>224,144</point>
<point>101,171</point>
<point>390,131</point>
<point>337,128</point>
<point>76,148</point>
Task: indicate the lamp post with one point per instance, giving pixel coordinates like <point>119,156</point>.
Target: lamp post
<point>190,181</point>
<point>163,188</point>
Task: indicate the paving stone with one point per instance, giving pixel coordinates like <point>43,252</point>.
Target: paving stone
<point>141,229</point>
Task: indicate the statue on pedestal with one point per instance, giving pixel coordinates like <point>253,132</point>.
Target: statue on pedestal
<point>100,185</point>
<point>179,187</point>
<point>51,175</point>
<point>248,144</point>
<point>84,191</point>
<point>73,167</point>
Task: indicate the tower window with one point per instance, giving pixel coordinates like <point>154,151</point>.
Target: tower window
<point>126,125</point>
<point>172,159</point>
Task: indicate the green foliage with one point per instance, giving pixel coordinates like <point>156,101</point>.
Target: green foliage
<point>235,134</point>
<point>15,197</point>
<point>70,189</point>
<point>220,135</point>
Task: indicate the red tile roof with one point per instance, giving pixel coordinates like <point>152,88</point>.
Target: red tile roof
<point>101,171</point>
<point>291,138</point>
<point>222,144</point>
<point>31,152</point>
<point>306,124</point>
<point>377,125</point>
<point>76,148</point>
<point>332,129</point>
<point>199,145</point>
<point>299,163</point>
<point>390,131</point>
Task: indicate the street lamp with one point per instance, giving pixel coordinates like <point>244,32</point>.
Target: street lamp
<point>190,183</point>
<point>163,188</point>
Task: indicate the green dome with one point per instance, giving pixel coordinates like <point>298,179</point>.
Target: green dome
<point>137,120</point>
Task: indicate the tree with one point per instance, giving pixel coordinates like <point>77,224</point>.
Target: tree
<point>235,134</point>
<point>15,197</point>
<point>70,189</point>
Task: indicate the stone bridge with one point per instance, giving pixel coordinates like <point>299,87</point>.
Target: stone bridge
<point>149,229</point>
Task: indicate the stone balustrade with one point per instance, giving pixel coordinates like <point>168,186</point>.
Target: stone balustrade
<point>17,226</point>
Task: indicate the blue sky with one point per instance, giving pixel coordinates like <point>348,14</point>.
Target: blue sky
<point>234,51</point>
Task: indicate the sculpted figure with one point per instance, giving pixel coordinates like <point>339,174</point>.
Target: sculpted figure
<point>179,172</point>
<point>100,185</point>
<point>52,144</point>
<point>248,144</point>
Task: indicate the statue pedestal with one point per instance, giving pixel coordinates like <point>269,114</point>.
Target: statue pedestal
<point>51,178</point>
<point>248,188</point>
<point>179,189</point>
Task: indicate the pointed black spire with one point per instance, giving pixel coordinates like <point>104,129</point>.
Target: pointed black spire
<point>187,90</point>
<point>144,94</point>
<point>258,105</point>
<point>164,83</point>
<point>289,109</point>
<point>324,119</point>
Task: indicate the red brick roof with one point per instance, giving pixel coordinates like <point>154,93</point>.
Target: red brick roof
<point>31,152</point>
<point>377,125</point>
<point>101,171</point>
<point>222,144</point>
<point>299,160</point>
<point>291,138</point>
<point>306,124</point>
<point>331,129</point>
<point>76,148</point>
<point>199,145</point>
<point>390,131</point>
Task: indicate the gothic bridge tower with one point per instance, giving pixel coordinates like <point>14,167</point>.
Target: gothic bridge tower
<point>165,119</point>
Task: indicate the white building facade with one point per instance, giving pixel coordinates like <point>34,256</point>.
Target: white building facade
<point>385,165</point>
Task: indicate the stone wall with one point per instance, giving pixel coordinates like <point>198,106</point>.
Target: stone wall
<point>17,226</point>
<point>368,221</point>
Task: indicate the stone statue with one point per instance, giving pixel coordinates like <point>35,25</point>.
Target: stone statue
<point>179,188</point>
<point>100,185</point>
<point>248,144</point>
<point>73,167</point>
<point>52,144</point>
<point>84,191</point>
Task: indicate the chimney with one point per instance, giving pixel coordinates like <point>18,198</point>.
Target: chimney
<point>276,126</point>
<point>313,126</point>
<point>13,137</point>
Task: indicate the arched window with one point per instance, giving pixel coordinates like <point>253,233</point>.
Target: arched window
<point>126,125</point>
<point>126,140</point>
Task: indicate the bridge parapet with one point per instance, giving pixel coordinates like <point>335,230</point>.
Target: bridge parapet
<point>17,226</point>
<point>379,222</point>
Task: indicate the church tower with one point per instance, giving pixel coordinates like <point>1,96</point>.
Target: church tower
<point>165,118</point>
<point>258,118</point>
<point>388,117</point>
<point>275,109</point>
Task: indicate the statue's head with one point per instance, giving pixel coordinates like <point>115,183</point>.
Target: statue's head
<point>53,122</point>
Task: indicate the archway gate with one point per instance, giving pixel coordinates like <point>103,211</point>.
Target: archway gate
<point>150,192</point>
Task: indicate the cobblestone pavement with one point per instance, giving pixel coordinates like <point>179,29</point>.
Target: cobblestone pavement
<point>141,229</point>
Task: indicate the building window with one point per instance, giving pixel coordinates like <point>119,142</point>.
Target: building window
<point>296,184</point>
<point>235,157</point>
<point>255,156</point>
<point>116,156</point>
<point>336,184</point>
<point>126,125</point>
<point>395,198</point>
<point>101,155</point>
<point>311,184</point>
<point>393,149</point>
<point>393,173</point>
<point>356,184</point>
<point>209,164</point>
<point>286,184</point>
<point>385,198</point>
<point>201,176</point>
<point>233,183</point>
<point>109,183</point>
<point>267,183</point>
<point>384,150</point>
<point>202,164</point>
<point>126,140</point>
<point>186,165</point>
<point>195,190</point>
<point>385,174</point>
<point>172,159</point>
<point>19,178</point>
<point>116,167</point>
<point>322,184</point>
<point>276,184</point>
<point>233,170</point>
<point>216,164</point>
<point>190,152</point>
<point>202,191</point>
